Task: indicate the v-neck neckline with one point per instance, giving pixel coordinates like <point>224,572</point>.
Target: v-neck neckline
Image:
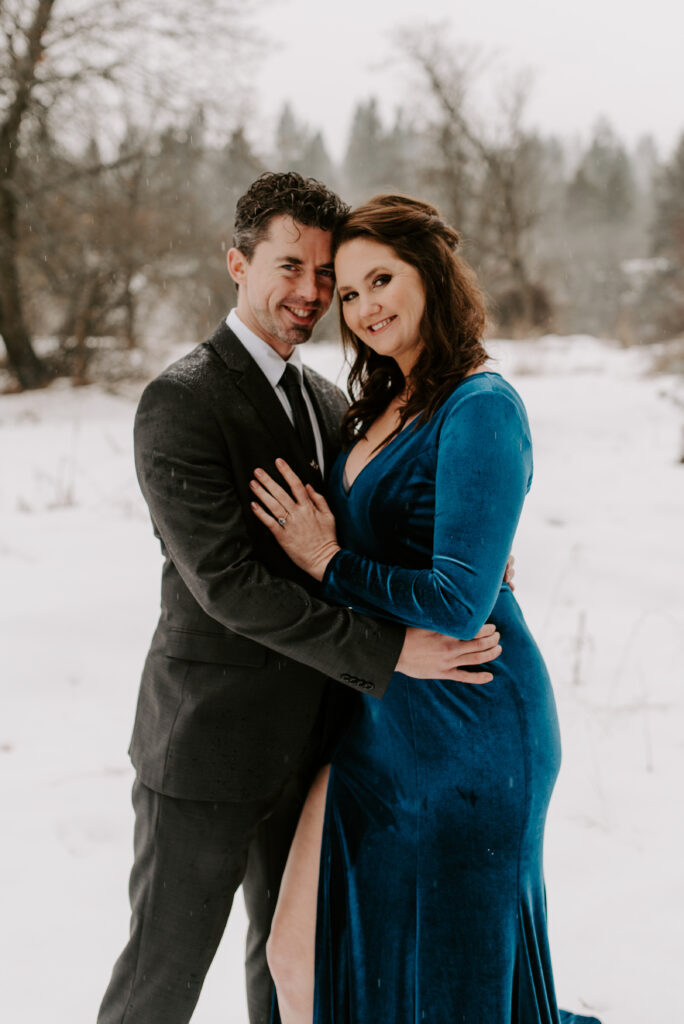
<point>348,487</point>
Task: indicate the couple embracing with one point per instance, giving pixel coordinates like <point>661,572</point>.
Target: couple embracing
<point>342,709</point>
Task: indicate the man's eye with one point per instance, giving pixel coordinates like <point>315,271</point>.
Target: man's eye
<point>329,274</point>
<point>289,266</point>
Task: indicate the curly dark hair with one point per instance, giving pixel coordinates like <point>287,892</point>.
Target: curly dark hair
<point>276,193</point>
<point>451,327</point>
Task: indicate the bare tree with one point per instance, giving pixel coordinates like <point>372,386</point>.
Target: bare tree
<point>87,239</point>
<point>69,64</point>
<point>444,77</point>
<point>23,49</point>
<point>486,173</point>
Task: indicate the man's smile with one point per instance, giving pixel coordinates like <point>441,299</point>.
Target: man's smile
<point>303,316</point>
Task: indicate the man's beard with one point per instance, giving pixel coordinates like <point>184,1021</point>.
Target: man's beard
<point>289,333</point>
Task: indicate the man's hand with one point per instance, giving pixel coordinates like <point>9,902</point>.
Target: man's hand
<point>510,572</point>
<point>427,655</point>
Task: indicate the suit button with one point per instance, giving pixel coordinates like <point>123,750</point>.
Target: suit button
<point>363,684</point>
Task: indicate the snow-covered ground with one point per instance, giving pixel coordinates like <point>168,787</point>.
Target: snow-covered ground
<point>599,558</point>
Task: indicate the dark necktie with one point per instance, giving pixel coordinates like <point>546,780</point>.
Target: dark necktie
<point>302,421</point>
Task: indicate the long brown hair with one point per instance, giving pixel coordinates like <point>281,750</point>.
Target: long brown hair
<point>452,325</point>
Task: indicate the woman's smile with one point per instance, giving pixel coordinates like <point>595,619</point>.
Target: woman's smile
<point>382,324</point>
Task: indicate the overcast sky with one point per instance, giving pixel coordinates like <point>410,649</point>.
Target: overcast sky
<point>588,57</point>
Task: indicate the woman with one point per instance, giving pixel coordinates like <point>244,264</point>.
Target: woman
<point>428,826</point>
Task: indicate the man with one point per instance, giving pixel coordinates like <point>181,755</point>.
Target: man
<point>240,690</point>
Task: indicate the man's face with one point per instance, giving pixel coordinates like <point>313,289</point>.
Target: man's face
<point>288,284</point>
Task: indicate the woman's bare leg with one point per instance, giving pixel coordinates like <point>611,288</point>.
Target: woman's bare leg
<point>290,948</point>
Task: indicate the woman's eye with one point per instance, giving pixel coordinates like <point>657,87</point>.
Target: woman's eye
<point>381,279</point>
<point>348,296</point>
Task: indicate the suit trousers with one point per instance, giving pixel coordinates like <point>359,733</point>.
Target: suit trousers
<point>190,857</point>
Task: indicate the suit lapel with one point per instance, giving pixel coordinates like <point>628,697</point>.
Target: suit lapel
<point>327,403</point>
<point>258,391</point>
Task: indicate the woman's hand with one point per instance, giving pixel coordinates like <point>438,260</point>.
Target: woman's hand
<point>301,522</point>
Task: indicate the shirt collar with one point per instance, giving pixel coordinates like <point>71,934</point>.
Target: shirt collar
<point>267,359</point>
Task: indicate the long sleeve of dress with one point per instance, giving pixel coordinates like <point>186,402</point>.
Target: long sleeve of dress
<point>483,471</point>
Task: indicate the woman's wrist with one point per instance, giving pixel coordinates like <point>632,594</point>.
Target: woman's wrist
<point>322,560</point>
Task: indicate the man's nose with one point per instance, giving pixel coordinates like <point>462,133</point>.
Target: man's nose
<point>310,287</point>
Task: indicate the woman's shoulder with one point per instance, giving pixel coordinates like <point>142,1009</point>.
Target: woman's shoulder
<point>485,398</point>
<point>485,385</point>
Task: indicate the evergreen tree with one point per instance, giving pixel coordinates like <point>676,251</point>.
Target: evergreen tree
<point>366,159</point>
<point>603,186</point>
<point>669,224</point>
<point>298,149</point>
<point>602,231</point>
<point>668,244</point>
<point>316,162</point>
<point>291,141</point>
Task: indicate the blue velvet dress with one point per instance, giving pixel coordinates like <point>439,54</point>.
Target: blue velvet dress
<point>431,906</point>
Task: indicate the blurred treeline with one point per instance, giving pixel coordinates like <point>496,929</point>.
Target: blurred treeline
<point>116,199</point>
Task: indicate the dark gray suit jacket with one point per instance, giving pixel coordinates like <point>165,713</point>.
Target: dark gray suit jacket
<point>236,685</point>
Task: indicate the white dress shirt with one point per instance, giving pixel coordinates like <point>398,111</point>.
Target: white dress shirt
<point>273,366</point>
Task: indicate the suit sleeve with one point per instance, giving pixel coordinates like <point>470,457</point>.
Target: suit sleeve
<point>482,476</point>
<point>184,473</point>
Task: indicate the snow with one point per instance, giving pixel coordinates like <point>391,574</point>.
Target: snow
<point>599,567</point>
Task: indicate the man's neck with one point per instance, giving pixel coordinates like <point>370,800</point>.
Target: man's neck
<point>283,348</point>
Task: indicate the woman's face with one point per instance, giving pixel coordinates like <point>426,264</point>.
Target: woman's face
<point>383,299</point>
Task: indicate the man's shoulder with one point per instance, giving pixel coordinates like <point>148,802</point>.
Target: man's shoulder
<point>199,368</point>
<point>325,389</point>
<point>191,367</point>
